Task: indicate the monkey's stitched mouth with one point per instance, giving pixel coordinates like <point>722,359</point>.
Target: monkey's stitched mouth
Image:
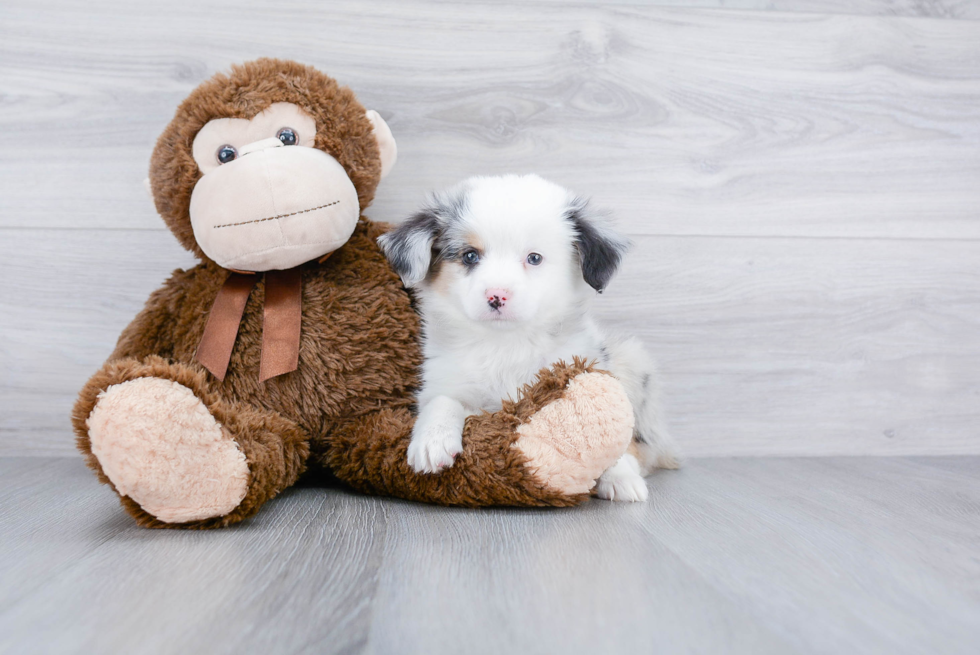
<point>273,218</point>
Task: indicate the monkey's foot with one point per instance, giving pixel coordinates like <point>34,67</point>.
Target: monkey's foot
<point>570,441</point>
<point>159,445</point>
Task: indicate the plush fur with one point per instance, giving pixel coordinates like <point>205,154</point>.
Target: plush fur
<point>197,468</point>
<point>347,408</point>
<point>343,131</point>
<point>494,468</point>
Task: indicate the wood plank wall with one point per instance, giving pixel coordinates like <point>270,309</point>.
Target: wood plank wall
<point>801,180</point>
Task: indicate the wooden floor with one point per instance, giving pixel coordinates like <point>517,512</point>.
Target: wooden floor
<point>819,555</point>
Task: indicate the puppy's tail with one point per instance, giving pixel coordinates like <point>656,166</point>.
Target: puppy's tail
<point>636,370</point>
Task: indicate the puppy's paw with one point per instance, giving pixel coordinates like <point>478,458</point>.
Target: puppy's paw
<point>623,482</point>
<point>434,448</point>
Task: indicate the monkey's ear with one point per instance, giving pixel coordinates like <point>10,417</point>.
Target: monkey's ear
<point>409,246</point>
<point>600,247</point>
<point>386,142</point>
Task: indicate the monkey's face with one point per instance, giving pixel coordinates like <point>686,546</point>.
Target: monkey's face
<point>268,198</point>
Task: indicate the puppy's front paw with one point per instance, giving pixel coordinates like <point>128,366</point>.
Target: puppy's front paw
<point>434,448</point>
<point>622,481</point>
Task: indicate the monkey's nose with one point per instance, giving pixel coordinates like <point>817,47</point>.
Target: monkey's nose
<point>255,146</point>
<point>496,298</point>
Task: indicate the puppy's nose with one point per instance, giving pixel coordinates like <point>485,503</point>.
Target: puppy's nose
<point>497,298</point>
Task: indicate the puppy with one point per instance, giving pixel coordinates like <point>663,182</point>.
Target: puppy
<point>505,269</point>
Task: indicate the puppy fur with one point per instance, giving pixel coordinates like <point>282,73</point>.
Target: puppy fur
<point>505,269</point>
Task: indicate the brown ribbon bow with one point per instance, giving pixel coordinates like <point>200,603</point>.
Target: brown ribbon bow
<point>281,319</point>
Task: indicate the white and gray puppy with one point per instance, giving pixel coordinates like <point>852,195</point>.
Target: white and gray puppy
<point>505,269</point>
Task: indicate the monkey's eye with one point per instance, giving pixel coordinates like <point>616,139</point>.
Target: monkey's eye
<point>471,258</point>
<point>288,136</point>
<point>226,153</point>
<point>534,259</point>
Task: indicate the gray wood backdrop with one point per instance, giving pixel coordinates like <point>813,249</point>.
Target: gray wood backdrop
<point>801,179</point>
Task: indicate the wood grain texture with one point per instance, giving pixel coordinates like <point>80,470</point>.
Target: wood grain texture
<point>768,346</point>
<point>775,555</point>
<point>682,121</point>
<point>809,346</point>
<point>214,592</point>
<point>801,186</point>
<point>948,9</point>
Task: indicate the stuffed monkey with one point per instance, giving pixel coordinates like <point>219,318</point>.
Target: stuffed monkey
<point>293,346</point>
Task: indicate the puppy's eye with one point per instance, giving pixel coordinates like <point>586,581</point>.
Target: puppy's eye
<point>534,259</point>
<point>288,136</point>
<point>471,258</point>
<point>226,153</point>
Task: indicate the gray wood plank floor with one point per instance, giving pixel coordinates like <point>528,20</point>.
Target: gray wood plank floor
<point>827,555</point>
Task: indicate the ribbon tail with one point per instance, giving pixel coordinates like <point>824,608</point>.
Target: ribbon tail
<point>282,318</point>
<point>218,340</point>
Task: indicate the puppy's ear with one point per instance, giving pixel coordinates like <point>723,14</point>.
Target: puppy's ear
<point>600,247</point>
<point>409,246</point>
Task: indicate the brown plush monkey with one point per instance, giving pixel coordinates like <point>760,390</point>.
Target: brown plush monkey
<point>293,346</point>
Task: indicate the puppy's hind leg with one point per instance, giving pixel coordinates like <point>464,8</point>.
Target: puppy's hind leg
<point>652,445</point>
